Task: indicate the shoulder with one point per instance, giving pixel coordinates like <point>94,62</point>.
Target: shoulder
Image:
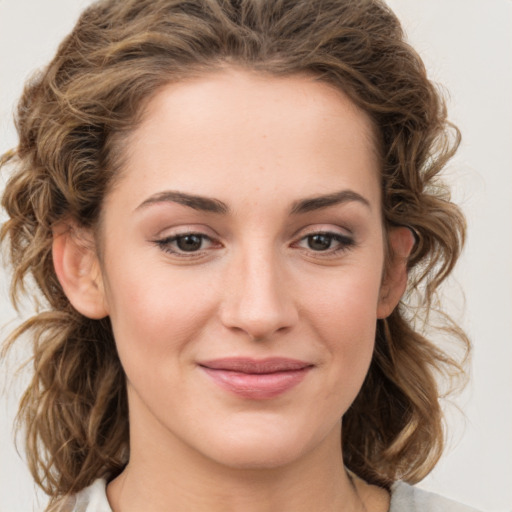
<point>406,498</point>
<point>90,499</point>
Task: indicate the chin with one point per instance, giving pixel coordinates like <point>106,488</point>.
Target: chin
<point>267,447</point>
<point>259,457</point>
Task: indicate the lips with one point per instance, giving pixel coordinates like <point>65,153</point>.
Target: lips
<point>256,379</point>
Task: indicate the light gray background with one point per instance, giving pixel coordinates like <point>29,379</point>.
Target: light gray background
<point>467,46</point>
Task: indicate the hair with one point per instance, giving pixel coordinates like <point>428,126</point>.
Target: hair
<point>72,120</point>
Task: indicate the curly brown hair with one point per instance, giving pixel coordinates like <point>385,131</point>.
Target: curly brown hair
<point>72,120</point>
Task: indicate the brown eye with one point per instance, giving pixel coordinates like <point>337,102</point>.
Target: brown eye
<point>330,243</point>
<point>320,241</point>
<point>189,243</point>
<point>186,244</point>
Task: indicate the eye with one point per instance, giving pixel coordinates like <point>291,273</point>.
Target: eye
<point>325,241</point>
<point>189,243</point>
<point>186,243</point>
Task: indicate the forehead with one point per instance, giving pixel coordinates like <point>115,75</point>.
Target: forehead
<point>210,133</point>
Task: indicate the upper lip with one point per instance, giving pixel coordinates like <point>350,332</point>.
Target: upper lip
<point>249,365</point>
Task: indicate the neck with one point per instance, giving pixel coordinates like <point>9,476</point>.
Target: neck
<point>172,476</point>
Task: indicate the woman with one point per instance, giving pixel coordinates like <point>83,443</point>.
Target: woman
<point>223,204</point>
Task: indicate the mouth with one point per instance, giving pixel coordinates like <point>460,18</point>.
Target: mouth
<point>256,379</point>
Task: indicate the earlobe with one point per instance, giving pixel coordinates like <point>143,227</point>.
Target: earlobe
<point>394,283</point>
<point>78,271</point>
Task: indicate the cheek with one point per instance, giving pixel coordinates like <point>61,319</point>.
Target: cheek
<point>154,313</point>
<point>344,314</point>
<point>346,301</point>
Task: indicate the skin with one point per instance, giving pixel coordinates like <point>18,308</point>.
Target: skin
<point>256,287</point>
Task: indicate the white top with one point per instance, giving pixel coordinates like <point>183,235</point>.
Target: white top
<point>404,498</point>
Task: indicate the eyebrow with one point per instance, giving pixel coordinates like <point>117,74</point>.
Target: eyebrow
<point>319,202</point>
<point>212,205</point>
<point>201,203</point>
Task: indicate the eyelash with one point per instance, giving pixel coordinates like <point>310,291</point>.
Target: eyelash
<point>344,242</point>
<point>166,244</point>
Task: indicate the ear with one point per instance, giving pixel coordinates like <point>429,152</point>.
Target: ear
<point>77,267</point>
<point>401,241</point>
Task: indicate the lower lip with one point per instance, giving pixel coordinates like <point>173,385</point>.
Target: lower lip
<point>257,386</point>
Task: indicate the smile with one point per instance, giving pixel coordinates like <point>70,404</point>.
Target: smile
<point>256,380</point>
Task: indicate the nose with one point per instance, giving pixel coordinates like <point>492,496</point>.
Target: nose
<point>258,298</point>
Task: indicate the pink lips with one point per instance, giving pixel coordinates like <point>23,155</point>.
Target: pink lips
<point>256,379</point>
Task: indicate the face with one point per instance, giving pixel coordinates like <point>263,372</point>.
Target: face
<point>242,262</point>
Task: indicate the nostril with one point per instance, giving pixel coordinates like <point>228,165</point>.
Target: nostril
<point>259,322</point>
<point>258,300</point>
